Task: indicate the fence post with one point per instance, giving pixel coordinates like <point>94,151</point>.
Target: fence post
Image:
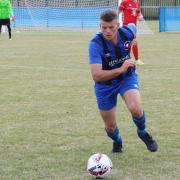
<point>47,9</point>
<point>18,3</point>
<point>175,3</point>
<point>76,3</point>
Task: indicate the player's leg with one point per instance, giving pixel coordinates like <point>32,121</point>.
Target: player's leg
<point>9,28</point>
<point>135,51</point>
<point>132,99</point>
<point>0,26</point>
<point>109,118</point>
<point>107,101</point>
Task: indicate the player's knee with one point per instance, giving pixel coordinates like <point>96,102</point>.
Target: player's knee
<point>110,127</point>
<point>136,110</point>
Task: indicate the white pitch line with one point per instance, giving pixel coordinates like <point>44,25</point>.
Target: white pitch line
<point>40,68</point>
<point>61,68</point>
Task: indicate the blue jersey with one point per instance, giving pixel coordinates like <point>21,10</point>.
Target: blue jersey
<point>112,60</point>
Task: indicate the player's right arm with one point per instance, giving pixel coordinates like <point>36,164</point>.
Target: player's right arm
<point>100,75</point>
<point>95,61</point>
<point>121,8</point>
<point>139,14</point>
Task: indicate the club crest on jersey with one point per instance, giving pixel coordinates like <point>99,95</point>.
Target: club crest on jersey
<point>107,55</point>
<point>127,45</point>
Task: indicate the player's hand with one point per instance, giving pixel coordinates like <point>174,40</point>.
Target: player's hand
<point>128,63</point>
<point>140,17</point>
<point>12,18</point>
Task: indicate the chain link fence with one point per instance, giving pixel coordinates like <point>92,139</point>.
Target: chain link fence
<point>149,8</point>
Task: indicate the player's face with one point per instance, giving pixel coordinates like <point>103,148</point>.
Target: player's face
<point>109,29</point>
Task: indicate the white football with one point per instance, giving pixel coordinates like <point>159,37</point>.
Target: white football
<point>99,165</point>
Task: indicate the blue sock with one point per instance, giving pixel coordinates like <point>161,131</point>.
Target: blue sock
<point>115,136</point>
<point>141,124</point>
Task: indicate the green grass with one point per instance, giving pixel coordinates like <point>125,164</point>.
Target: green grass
<point>49,121</point>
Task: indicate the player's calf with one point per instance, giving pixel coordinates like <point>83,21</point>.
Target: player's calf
<point>117,141</point>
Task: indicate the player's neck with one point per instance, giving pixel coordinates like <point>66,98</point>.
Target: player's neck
<point>114,40</point>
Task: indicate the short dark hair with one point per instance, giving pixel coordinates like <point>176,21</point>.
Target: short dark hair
<point>108,15</point>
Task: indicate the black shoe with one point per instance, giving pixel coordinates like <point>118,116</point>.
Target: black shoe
<point>150,143</point>
<point>117,147</point>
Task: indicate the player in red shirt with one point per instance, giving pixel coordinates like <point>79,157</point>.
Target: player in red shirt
<point>131,14</point>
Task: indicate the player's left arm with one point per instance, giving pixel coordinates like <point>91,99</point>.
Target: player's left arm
<point>132,36</point>
<point>140,17</point>
<point>139,14</point>
<point>11,12</point>
<point>132,27</point>
<point>121,8</point>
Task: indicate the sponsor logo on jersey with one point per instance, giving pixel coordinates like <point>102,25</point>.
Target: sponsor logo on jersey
<point>127,45</point>
<point>118,61</point>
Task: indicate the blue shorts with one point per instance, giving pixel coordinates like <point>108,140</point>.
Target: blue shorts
<point>106,95</point>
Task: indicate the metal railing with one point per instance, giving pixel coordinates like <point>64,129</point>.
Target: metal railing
<point>150,8</point>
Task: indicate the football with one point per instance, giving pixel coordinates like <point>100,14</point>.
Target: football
<point>99,165</point>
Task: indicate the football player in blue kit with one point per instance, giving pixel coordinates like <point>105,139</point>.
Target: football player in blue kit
<point>113,72</point>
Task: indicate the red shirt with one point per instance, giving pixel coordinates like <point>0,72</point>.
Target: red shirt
<point>131,11</point>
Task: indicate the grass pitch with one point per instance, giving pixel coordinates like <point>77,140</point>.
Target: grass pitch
<point>49,121</point>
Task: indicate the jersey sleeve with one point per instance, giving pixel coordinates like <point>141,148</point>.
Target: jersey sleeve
<point>139,10</point>
<point>132,28</point>
<point>129,31</point>
<point>121,7</point>
<point>95,53</point>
